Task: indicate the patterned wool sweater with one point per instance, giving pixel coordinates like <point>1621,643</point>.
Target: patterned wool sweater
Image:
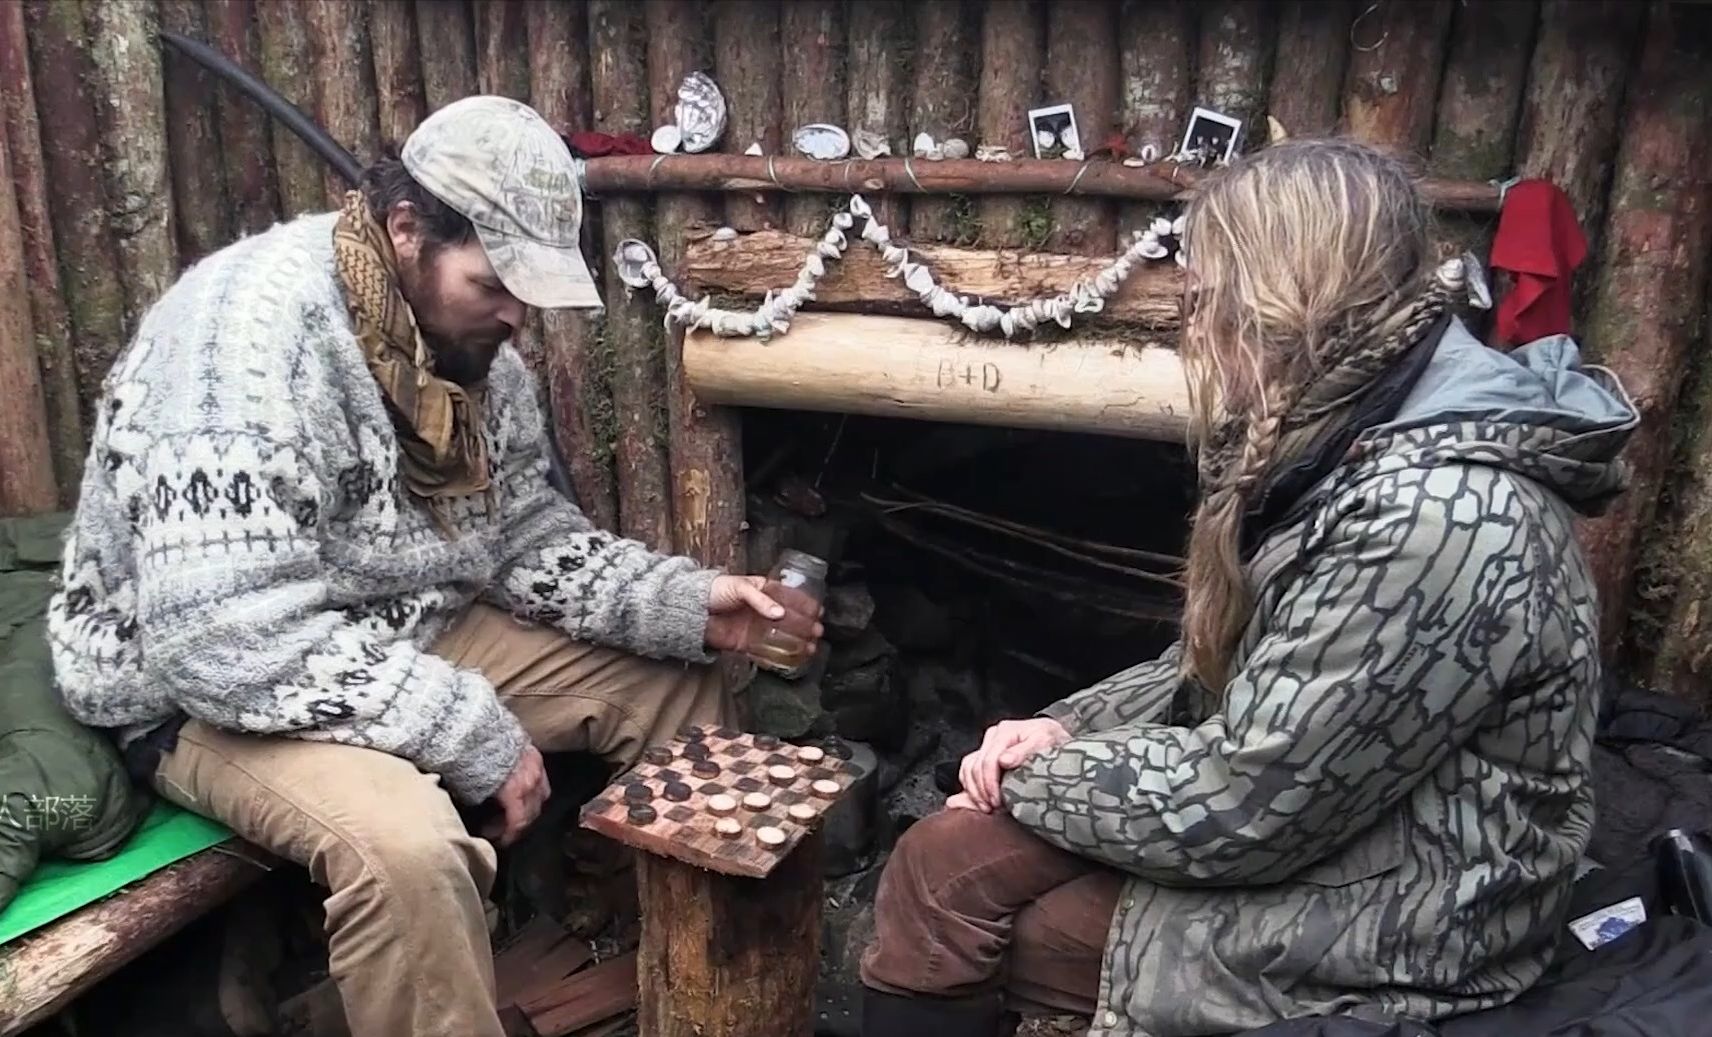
<point>243,554</point>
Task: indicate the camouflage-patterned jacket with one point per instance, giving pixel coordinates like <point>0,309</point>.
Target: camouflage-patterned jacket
<point>1387,812</point>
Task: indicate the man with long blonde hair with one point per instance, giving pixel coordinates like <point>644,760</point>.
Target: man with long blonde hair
<point>1359,783</point>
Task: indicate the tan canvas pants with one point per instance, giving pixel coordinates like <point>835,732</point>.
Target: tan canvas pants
<point>406,928</point>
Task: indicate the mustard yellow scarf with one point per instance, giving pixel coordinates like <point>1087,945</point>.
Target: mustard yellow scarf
<point>443,452</point>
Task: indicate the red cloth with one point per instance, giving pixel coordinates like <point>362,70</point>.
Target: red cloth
<point>590,144</point>
<point>1541,244</point>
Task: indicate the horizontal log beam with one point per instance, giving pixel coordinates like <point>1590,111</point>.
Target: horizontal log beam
<point>755,264</point>
<point>933,370</point>
<point>1160,182</point>
<point>44,971</point>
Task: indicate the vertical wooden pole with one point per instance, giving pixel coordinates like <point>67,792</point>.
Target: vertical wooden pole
<point>746,57</point>
<point>577,377</point>
<point>283,30</point>
<point>502,50</point>
<point>729,957</point>
<point>1082,70</point>
<point>20,135</point>
<point>247,153</point>
<point>706,442</point>
<point>1013,46</point>
<point>1394,73</point>
<point>1568,131</point>
<point>947,35</point>
<point>345,85</point>
<point>193,141</point>
<point>879,33</point>
<point>1307,74</point>
<point>811,88</point>
<point>26,457</point>
<point>1236,63</point>
<point>398,71</point>
<point>133,135</point>
<point>447,36</point>
<point>502,68</point>
<point>1480,100</point>
<point>619,84</point>
<point>1158,69</point>
<point>77,193</point>
<point>1651,291</point>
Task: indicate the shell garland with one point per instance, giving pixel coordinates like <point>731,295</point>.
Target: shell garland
<point>638,267</point>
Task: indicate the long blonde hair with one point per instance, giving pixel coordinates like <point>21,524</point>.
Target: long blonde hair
<point>1309,272</point>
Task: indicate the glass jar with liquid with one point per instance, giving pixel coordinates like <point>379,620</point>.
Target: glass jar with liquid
<point>798,582</point>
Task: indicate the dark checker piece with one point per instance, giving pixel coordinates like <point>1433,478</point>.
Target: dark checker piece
<point>726,733</point>
<point>837,748</point>
<point>766,742</point>
<point>659,755</point>
<point>641,814</point>
<point>637,792</point>
<point>691,734</point>
<point>697,751</point>
<point>705,769</point>
<point>677,791</point>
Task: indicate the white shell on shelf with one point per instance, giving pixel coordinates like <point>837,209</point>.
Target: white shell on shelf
<point>821,140</point>
<point>1160,226</point>
<point>956,147</point>
<point>1074,154</point>
<point>632,257</point>
<point>869,144</point>
<point>725,234</point>
<point>700,112</point>
<point>993,153</point>
<point>666,139</point>
<point>754,149</point>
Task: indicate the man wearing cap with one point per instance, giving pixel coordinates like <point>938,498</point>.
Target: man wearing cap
<point>320,588</point>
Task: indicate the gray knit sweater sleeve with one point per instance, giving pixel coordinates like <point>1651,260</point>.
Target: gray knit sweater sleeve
<point>558,569</point>
<point>239,628</point>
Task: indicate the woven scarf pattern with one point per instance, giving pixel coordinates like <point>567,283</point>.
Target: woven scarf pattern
<point>443,453</point>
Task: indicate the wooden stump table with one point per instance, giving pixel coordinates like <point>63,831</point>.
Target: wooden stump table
<point>729,880</point>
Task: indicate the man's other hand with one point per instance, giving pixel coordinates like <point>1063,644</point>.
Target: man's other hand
<point>1008,744</point>
<point>520,798</point>
<point>737,600</point>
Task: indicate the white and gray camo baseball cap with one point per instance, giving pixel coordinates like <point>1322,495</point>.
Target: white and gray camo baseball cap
<point>496,161</point>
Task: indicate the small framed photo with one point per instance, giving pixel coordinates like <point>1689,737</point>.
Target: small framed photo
<point>1053,130</point>
<point>1211,137</point>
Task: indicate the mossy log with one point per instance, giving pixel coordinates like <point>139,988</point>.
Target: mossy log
<point>243,126</point>
<point>1236,47</point>
<point>1082,71</point>
<point>27,481</point>
<point>345,84</point>
<point>446,34</point>
<point>1307,71</point>
<point>398,70</point>
<point>879,31</point>
<point>193,140</point>
<point>578,391</point>
<point>502,50</point>
<point>942,105</point>
<point>20,135</point>
<point>705,444</point>
<point>1394,73</point>
<point>619,88</point>
<point>746,62</point>
<point>1158,59</point>
<point>811,87</point>
<point>1649,300</point>
<point>1013,37</point>
<point>283,30</point>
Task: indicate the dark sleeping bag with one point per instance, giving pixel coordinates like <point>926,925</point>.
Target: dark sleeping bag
<point>63,790</point>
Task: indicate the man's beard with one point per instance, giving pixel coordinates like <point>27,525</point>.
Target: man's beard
<point>463,361</point>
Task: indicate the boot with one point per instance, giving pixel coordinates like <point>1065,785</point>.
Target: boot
<point>893,1015</point>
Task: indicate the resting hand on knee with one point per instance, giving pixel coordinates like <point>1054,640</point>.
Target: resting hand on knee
<point>1008,744</point>
<point>520,798</point>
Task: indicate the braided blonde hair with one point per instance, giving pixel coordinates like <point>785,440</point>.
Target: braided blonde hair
<point>1309,272</point>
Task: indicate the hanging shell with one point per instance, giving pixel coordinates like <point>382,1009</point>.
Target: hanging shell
<point>700,112</point>
<point>630,257</point>
<point>869,144</point>
<point>821,140</point>
<point>666,139</point>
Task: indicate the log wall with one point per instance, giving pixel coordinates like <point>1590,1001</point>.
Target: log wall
<point>126,165</point>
